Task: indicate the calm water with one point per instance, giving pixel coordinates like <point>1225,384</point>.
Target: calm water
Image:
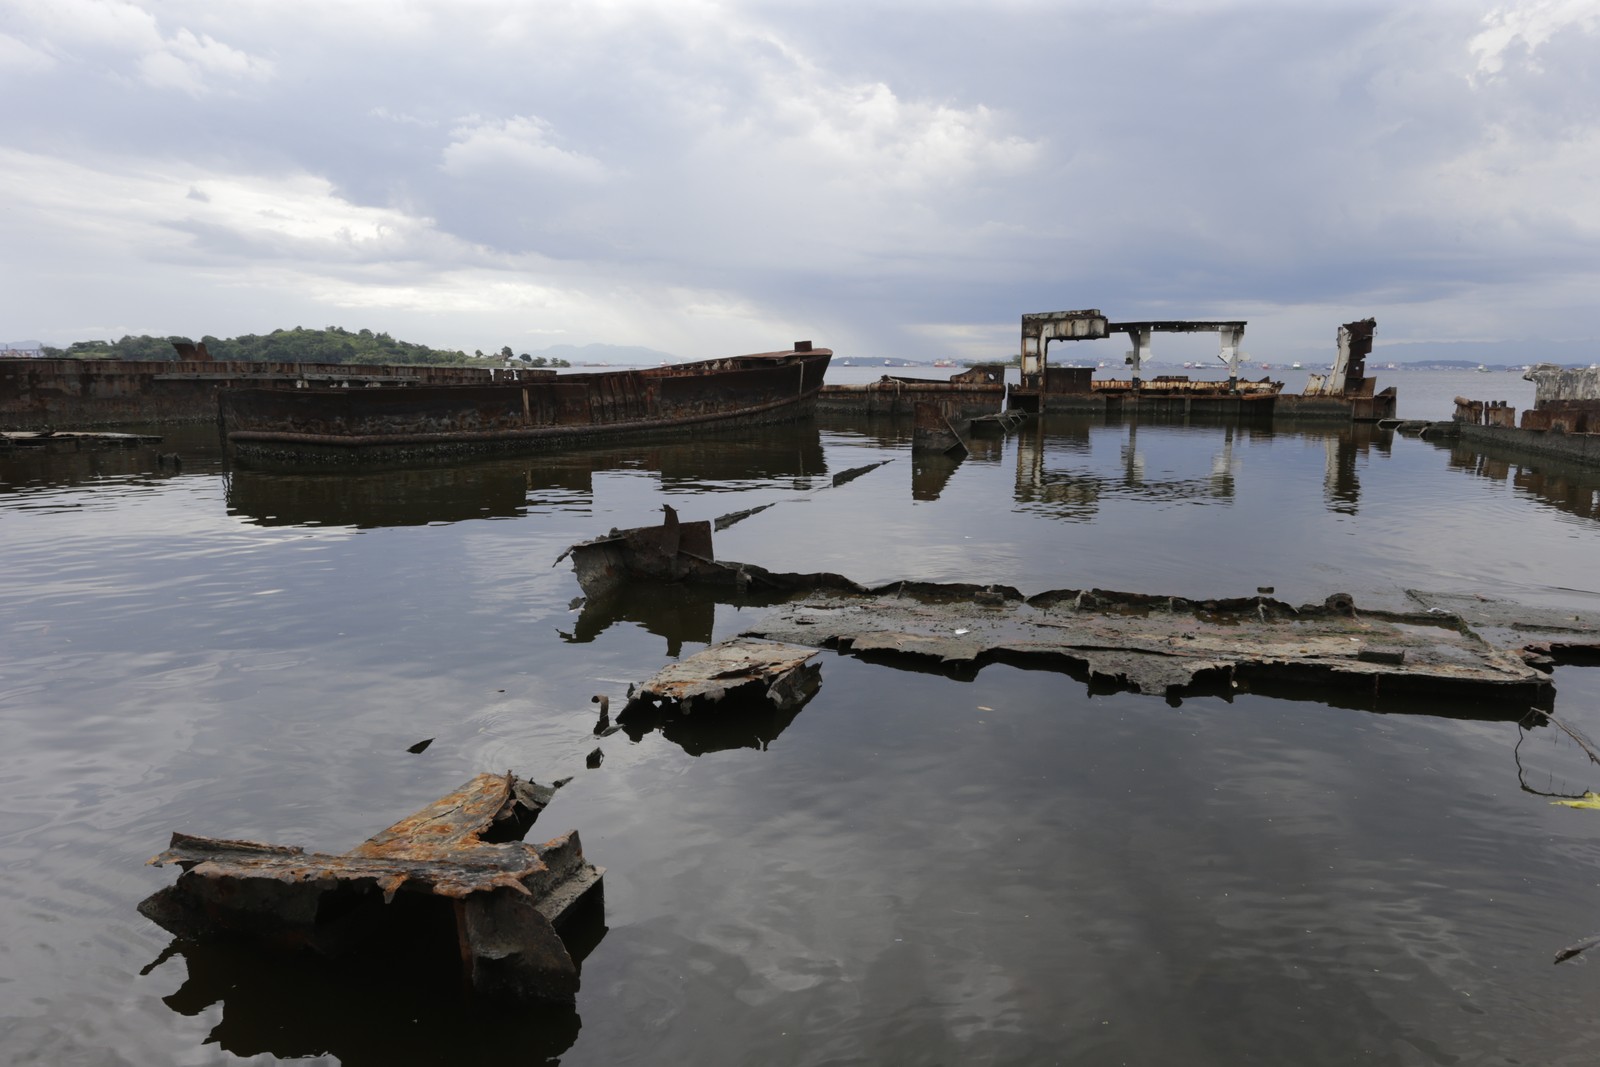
<point>913,869</point>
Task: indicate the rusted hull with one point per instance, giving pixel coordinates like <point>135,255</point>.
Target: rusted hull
<point>1208,400</point>
<point>939,427</point>
<point>1365,406</point>
<point>975,391</point>
<point>1212,402</point>
<point>1564,421</point>
<point>310,427</point>
<point>80,393</point>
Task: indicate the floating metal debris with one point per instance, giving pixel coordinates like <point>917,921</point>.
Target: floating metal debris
<point>459,863</point>
<point>1152,644</point>
<point>732,671</point>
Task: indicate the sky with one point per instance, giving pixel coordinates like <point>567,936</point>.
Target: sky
<point>884,179</point>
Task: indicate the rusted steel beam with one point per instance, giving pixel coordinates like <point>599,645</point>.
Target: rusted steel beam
<point>1177,325</point>
<point>507,900</point>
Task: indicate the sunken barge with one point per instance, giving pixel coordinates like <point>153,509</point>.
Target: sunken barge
<point>58,394</point>
<point>978,390</point>
<point>1564,421</point>
<point>1346,394</point>
<point>346,426</point>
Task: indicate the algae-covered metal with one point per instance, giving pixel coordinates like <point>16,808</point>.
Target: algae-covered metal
<point>1168,646</point>
<point>1163,645</point>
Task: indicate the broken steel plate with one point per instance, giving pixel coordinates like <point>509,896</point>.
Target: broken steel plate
<point>506,901</point>
<point>1467,650</point>
<point>1166,646</point>
<point>739,668</point>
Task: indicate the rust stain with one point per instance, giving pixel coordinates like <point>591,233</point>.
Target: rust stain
<point>464,847</point>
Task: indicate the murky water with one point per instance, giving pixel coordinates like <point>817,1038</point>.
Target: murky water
<point>913,869</point>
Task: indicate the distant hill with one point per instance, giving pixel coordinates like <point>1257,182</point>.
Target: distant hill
<point>1456,353</point>
<point>299,345</point>
<point>21,346</point>
<point>599,353</point>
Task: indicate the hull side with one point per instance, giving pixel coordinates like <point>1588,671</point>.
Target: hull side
<point>350,426</point>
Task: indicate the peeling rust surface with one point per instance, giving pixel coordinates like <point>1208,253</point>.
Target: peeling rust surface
<point>464,848</point>
<point>709,676</point>
<point>975,391</point>
<point>1165,646</point>
<point>939,427</point>
<point>341,426</point>
<point>1497,654</point>
<point>103,392</point>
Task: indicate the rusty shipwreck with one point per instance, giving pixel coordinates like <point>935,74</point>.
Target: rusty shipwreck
<point>346,426</point>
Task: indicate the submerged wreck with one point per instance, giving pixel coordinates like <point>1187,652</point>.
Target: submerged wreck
<point>1563,422</point>
<point>1450,649</point>
<point>735,672</point>
<point>340,426</point>
<point>1346,394</point>
<point>980,389</point>
<point>454,874</point>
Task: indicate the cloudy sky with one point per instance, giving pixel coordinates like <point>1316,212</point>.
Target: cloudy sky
<point>897,179</point>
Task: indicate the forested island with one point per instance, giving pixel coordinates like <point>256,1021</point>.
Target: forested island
<point>299,345</point>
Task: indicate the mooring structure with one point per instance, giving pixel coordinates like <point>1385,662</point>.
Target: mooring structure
<point>1344,394</point>
<point>1040,328</point>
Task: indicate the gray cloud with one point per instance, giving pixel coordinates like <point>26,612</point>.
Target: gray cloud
<point>881,177</point>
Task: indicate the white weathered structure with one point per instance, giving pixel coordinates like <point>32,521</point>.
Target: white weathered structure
<point>1040,328</point>
<point>1552,383</point>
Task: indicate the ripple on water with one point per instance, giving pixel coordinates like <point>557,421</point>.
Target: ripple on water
<point>912,869</point>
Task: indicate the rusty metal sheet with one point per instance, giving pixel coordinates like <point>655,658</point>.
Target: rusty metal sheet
<point>312,426</point>
<point>439,849</point>
<point>1167,646</point>
<point>711,675</point>
<point>938,427</point>
<point>509,897</point>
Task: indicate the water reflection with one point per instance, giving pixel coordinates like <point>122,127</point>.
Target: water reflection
<point>792,450</point>
<point>1074,490</point>
<point>1341,485</point>
<point>676,613</point>
<point>753,724</point>
<point>684,614</point>
<point>1567,487</point>
<point>881,431</point>
<point>1258,873</point>
<point>400,497</point>
<point>507,487</point>
<point>1059,471</point>
<point>27,469</point>
<point>293,1008</point>
<point>931,472</point>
